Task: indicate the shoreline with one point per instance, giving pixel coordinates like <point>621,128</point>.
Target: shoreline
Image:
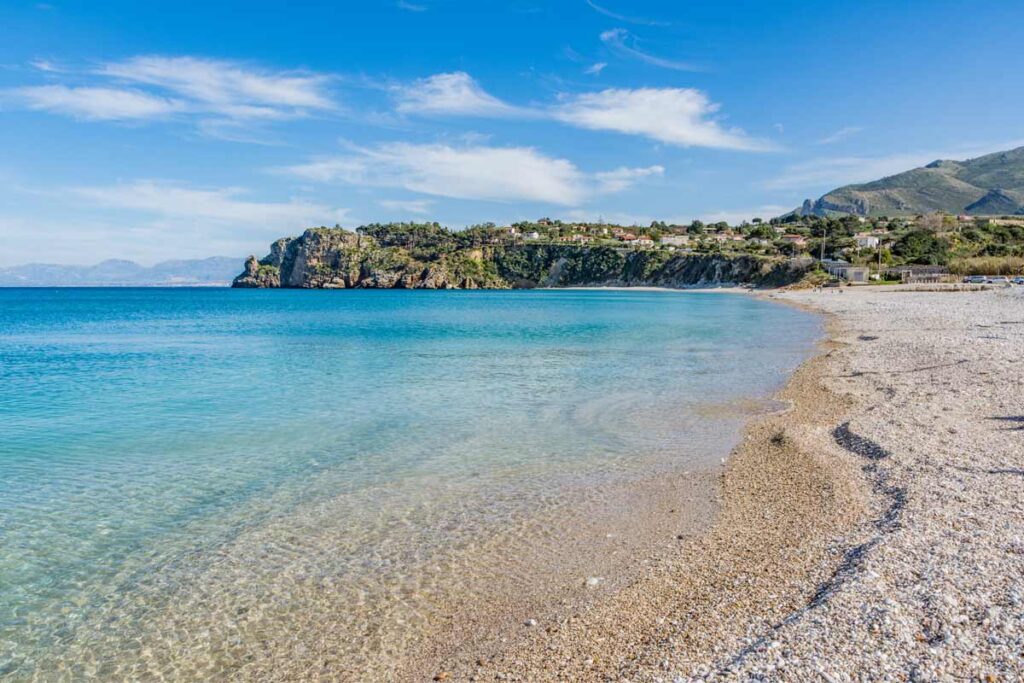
<point>815,512</point>
<point>776,493</point>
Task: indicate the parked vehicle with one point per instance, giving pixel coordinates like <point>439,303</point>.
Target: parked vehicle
<point>975,280</point>
<point>1019,280</point>
<point>999,280</point>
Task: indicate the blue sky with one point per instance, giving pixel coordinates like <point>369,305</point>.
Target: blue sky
<point>156,130</point>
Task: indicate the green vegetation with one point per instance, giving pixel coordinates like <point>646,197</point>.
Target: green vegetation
<point>988,265</point>
<point>921,247</point>
<point>549,252</point>
<point>988,185</point>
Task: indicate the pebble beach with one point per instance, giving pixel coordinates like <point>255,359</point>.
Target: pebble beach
<point>873,531</point>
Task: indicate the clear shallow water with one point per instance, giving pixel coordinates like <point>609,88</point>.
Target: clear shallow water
<point>182,472</point>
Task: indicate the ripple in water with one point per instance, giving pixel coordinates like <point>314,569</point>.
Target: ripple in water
<point>214,484</point>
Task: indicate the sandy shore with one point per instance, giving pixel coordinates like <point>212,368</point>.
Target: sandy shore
<point>875,531</point>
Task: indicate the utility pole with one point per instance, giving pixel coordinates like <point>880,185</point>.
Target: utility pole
<point>824,236</point>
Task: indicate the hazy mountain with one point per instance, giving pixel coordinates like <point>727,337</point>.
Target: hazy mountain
<point>213,271</point>
<point>988,185</point>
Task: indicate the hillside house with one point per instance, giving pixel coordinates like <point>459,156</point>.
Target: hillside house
<point>866,240</point>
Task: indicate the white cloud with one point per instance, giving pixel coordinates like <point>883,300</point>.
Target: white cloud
<point>678,116</point>
<point>623,178</point>
<point>45,65</point>
<point>149,220</point>
<point>450,93</point>
<point>106,104</point>
<point>840,134</point>
<point>595,69</point>
<point>490,173</point>
<point>222,205</point>
<point>227,87</point>
<point>616,40</point>
<point>503,174</point>
<point>417,206</point>
<point>410,7</point>
<point>154,87</point>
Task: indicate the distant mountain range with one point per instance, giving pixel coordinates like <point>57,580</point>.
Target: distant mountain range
<point>210,272</point>
<point>988,185</point>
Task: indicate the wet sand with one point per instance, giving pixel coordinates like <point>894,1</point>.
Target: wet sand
<point>872,532</point>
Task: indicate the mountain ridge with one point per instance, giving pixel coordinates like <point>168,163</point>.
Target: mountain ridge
<point>211,271</point>
<point>992,184</point>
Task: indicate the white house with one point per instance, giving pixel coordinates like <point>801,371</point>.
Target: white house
<point>643,241</point>
<point>533,235</point>
<point>866,241</point>
<point>675,240</point>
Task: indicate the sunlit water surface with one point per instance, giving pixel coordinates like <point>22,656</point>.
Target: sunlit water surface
<point>185,475</point>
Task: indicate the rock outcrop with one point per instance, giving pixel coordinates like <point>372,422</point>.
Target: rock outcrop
<point>333,258</point>
<point>258,275</point>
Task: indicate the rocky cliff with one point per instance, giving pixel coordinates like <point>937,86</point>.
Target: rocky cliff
<point>333,258</point>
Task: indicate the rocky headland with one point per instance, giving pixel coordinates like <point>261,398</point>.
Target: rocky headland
<point>335,258</point>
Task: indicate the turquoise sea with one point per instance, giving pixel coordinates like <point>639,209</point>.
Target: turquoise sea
<point>198,483</point>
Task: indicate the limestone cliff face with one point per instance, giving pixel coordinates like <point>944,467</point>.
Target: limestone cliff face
<point>332,258</point>
<point>257,275</point>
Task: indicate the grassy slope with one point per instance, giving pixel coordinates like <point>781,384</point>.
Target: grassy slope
<point>941,186</point>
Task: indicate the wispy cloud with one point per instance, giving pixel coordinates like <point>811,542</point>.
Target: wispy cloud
<point>825,173</point>
<point>596,69</point>
<point>226,87</point>
<point>98,104</point>
<point>416,206</point>
<point>149,220</point>
<point>629,20</point>
<point>622,42</point>
<point>411,7</point>
<point>677,116</point>
<point>45,65</point>
<point>156,87</point>
<point>488,173</point>
<point>451,93</point>
<point>840,134</point>
<point>222,205</point>
<point>623,178</point>
<point>502,174</point>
